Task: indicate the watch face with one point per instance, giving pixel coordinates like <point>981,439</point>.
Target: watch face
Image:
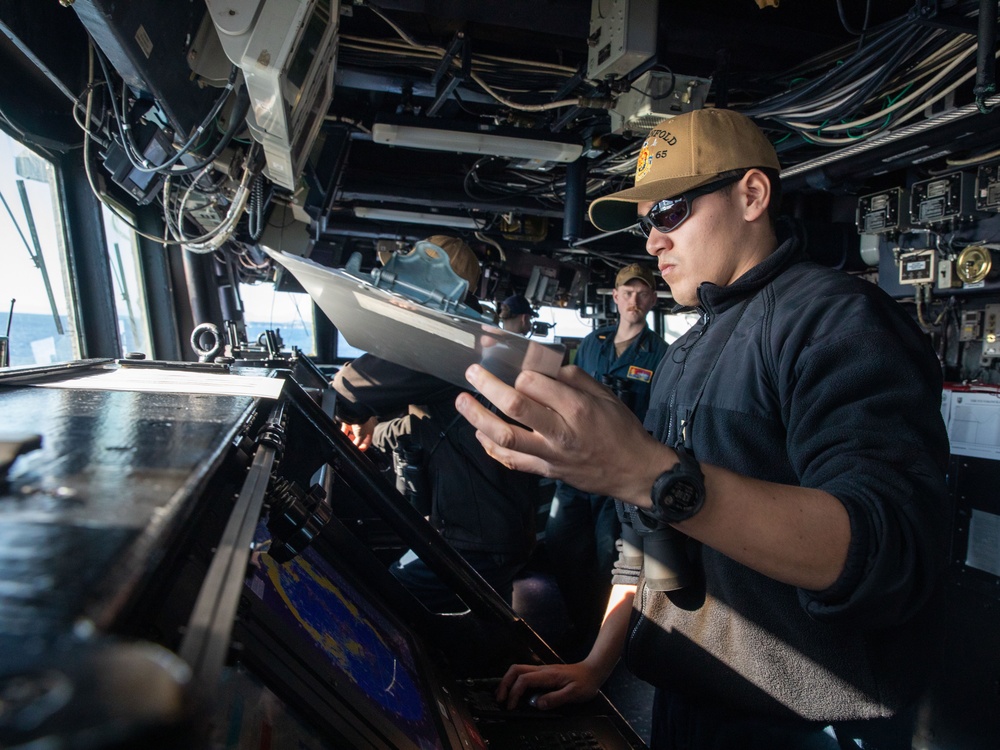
<point>679,492</point>
<point>683,496</point>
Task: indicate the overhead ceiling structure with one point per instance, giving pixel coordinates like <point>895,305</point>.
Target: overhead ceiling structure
<point>381,120</point>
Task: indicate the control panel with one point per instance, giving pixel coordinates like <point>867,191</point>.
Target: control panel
<point>917,267</point>
<point>972,326</point>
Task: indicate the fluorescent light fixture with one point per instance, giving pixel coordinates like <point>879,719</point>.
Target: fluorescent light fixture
<point>416,217</point>
<point>475,143</point>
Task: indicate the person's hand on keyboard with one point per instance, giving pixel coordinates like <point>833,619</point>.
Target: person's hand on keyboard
<point>548,686</point>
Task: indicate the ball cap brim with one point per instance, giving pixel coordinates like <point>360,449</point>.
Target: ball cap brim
<point>683,153</point>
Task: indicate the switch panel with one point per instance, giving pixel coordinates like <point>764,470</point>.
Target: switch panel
<point>991,331</point>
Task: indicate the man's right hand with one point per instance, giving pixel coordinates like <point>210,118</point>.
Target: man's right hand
<point>571,428</point>
<point>550,685</point>
<point>554,685</point>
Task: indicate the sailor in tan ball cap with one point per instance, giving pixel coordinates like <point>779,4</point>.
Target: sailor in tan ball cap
<point>780,552</point>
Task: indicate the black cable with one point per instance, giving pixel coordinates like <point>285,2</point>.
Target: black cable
<point>846,25</point>
<point>237,116</point>
<point>854,66</point>
<point>125,127</point>
<point>864,29</point>
<point>913,42</point>
<point>876,81</point>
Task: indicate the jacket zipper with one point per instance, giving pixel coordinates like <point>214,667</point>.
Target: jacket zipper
<point>671,435</point>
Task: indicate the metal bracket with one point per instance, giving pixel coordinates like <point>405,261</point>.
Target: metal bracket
<point>929,12</point>
<point>444,79</point>
<point>424,276</point>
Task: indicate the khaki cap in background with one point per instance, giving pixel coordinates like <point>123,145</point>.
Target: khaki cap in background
<point>635,271</point>
<point>463,261</point>
<point>683,153</point>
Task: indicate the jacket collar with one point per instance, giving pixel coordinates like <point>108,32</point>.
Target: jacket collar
<point>607,336</point>
<point>717,299</point>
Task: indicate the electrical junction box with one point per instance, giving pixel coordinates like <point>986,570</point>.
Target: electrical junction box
<point>991,331</point>
<point>988,187</point>
<point>883,212</point>
<point>972,326</point>
<point>942,199</point>
<point>622,36</point>
<point>657,95</point>
<point>917,267</point>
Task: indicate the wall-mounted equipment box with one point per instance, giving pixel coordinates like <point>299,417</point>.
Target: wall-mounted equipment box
<point>972,326</point>
<point>883,212</point>
<point>991,331</point>
<point>988,187</point>
<point>657,95</point>
<point>622,36</point>
<point>942,199</point>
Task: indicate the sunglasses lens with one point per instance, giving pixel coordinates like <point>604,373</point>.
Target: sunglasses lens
<point>670,213</point>
<point>664,216</point>
<point>670,216</point>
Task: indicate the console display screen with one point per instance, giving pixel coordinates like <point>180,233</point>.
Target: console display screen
<point>370,656</point>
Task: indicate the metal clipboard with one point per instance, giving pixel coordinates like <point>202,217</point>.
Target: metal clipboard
<point>398,329</point>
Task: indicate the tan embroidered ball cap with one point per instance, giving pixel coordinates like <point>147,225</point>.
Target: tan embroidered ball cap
<point>683,153</point>
<point>635,271</point>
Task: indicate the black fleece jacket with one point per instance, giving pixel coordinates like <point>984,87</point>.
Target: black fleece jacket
<point>817,379</point>
<point>476,502</point>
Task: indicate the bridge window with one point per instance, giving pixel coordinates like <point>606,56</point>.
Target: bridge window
<point>35,296</point>
<point>286,313</point>
<point>126,278</point>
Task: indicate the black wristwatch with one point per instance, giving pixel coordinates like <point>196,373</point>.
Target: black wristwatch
<point>679,492</point>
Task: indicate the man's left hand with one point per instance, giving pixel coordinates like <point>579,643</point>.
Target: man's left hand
<point>360,434</point>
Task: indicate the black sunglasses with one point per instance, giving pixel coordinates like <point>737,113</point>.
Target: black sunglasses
<point>670,213</point>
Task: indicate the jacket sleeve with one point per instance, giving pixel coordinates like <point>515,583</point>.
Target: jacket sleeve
<point>373,387</point>
<point>861,401</point>
<point>387,434</point>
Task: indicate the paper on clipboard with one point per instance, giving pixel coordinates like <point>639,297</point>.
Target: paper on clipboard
<point>422,338</point>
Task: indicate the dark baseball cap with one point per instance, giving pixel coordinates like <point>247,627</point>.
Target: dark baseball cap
<point>517,304</point>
